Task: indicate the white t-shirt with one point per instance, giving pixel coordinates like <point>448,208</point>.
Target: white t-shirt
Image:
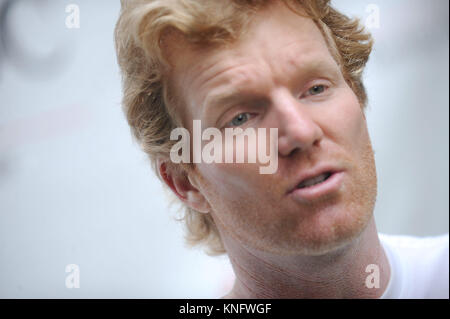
<point>419,266</point>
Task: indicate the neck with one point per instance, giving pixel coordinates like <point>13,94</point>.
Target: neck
<point>339,274</point>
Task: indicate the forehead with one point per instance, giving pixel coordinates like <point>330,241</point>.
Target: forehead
<point>277,42</point>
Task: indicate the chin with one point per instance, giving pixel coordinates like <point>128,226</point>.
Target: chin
<point>324,233</point>
<point>333,241</point>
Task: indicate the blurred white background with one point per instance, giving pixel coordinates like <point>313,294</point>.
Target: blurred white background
<point>75,188</point>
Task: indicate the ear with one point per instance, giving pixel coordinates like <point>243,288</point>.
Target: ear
<point>182,186</point>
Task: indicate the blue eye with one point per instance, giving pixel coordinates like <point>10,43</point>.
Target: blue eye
<point>316,89</point>
<point>240,119</point>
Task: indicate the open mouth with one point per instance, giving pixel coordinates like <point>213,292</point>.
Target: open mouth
<point>315,187</point>
<point>314,180</point>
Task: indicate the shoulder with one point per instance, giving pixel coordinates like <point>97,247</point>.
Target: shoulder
<point>423,261</point>
<point>412,242</point>
<point>420,250</point>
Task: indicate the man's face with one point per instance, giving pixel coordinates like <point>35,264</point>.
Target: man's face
<point>280,74</point>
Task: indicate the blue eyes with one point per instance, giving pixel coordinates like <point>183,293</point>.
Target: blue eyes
<point>316,89</point>
<point>240,119</point>
<point>244,117</point>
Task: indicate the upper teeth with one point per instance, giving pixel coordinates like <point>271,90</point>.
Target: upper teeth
<point>314,180</point>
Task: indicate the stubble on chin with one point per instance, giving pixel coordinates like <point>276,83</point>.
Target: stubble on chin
<point>350,221</point>
<point>322,229</point>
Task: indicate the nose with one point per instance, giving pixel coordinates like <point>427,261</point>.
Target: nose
<point>297,129</point>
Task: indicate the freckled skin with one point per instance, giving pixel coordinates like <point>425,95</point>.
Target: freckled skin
<point>253,212</point>
<point>254,208</point>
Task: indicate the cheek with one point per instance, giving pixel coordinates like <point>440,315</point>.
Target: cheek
<point>348,123</point>
<point>229,181</point>
<point>239,179</point>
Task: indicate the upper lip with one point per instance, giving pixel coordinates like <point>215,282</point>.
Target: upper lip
<point>316,171</point>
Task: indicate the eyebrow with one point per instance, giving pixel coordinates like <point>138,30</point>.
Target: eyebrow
<point>239,95</point>
<point>228,97</point>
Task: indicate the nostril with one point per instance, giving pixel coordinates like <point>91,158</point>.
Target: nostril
<point>294,152</point>
<point>316,142</point>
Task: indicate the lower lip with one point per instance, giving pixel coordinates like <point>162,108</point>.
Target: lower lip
<point>332,184</point>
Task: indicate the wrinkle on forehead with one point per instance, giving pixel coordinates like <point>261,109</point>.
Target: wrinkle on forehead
<point>255,55</point>
<point>257,77</point>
